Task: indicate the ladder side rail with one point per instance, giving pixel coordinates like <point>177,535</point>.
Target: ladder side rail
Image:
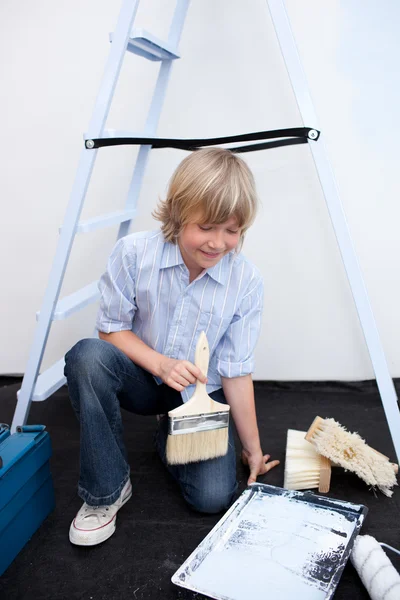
<point>113,67</point>
<point>154,113</point>
<point>144,151</point>
<point>338,218</point>
<point>74,208</point>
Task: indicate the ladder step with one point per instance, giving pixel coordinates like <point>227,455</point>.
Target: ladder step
<point>49,381</point>
<point>120,216</point>
<point>76,301</point>
<point>143,43</point>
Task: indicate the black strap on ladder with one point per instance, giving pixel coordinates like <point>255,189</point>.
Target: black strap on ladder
<point>281,137</point>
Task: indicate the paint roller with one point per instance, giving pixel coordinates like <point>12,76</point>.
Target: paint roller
<point>374,568</point>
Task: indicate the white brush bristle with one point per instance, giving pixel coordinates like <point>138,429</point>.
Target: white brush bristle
<point>302,465</point>
<point>351,452</point>
<point>194,447</point>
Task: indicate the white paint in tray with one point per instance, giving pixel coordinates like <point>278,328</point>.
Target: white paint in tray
<point>275,547</point>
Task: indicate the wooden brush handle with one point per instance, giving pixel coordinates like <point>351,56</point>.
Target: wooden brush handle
<point>202,355</point>
<point>200,402</point>
<point>324,475</point>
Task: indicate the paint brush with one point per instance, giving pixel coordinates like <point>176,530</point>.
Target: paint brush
<point>305,469</point>
<point>350,451</point>
<point>198,430</point>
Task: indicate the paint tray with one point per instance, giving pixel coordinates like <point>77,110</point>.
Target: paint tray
<point>274,544</point>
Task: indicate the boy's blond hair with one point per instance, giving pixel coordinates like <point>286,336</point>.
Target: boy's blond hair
<point>212,184</point>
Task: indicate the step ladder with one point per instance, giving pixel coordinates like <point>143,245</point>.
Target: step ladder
<point>126,39</point>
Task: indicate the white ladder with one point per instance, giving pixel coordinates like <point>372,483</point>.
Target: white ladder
<point>37,387</point>
<point>40,388</point>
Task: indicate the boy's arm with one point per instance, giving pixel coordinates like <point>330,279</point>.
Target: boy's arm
<point>175,373</point>
<point>239,393</point>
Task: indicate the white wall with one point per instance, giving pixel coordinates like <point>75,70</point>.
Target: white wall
<point>231,79</point>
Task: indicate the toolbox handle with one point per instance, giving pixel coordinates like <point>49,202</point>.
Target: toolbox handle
<point>30,428</point>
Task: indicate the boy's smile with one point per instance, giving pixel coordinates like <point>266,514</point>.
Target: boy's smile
<point>203,245</point>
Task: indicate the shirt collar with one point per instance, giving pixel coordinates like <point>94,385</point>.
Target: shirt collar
<point>220,271</point>
<point>172,257</point>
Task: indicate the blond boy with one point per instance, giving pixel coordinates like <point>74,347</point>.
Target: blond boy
<point>160,290</point>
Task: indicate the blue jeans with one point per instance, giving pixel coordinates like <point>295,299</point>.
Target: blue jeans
<point>101,379</point>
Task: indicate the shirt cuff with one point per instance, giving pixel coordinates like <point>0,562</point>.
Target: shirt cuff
<point>113,326</point>
<point>235,369</point>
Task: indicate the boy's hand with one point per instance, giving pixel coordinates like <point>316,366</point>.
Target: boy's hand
<point>178,374</point>
<point>258,464</point>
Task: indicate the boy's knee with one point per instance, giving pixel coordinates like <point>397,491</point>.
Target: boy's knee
<point>211,503</point>
<point>89,372</point>
<point>85,357</point>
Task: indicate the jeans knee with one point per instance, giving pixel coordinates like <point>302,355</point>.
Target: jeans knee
<point>91,368</point>
<point>91,374</point>
<point>84,357</point>
<point>211,502</point>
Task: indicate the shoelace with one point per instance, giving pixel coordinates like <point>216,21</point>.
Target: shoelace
<point>91,510</point>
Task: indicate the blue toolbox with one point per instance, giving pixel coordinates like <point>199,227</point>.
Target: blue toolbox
<point>26,487</point>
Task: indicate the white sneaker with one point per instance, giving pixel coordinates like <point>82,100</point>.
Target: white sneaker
<point>95,524</point>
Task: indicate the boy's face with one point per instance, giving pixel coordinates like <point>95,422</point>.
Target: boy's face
<point>203,245</point>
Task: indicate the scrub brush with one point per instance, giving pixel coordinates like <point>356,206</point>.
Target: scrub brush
<point>305,469</point>
<point>350,451</point>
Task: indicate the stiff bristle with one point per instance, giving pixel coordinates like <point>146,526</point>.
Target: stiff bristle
<point>302,464</point>
<point>351,452</point>
<point>195,447</point>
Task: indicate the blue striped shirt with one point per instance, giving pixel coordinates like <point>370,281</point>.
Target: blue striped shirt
<point>146,289</point>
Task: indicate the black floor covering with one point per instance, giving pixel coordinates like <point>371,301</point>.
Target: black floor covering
<point>156,531</point>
